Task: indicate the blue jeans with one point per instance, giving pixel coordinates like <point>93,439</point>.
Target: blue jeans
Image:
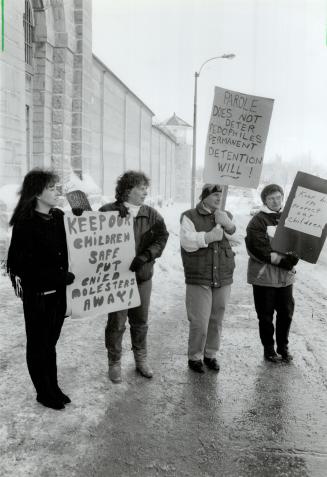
<point>138,322</point>
<point>267,300</point>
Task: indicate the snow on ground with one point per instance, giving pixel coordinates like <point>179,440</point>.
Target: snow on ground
<point>32,436</point>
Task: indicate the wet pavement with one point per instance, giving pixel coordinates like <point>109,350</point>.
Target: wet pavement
<point>252,419</point>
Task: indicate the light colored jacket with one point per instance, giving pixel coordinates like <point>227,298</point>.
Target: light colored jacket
<point>268,275</point>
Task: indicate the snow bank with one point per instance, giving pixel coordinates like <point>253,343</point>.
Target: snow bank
<point>9,195</point>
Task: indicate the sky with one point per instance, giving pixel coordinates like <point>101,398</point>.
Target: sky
<point>155,47</point>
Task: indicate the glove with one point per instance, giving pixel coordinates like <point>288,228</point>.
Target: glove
<point>222,219</point>
<point>70,277</point>
<point>77,211</point>
<point>289,261</point>
<point>215,235</point>
<point>137,263</point>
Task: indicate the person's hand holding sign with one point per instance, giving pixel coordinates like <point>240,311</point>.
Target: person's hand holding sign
<point>221,218</point>
<point>275,258</point>
<point>139,261</point>
<point>287,261</point>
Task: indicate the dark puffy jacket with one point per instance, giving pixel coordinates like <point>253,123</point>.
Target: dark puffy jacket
<point>150,236</point>
<point>213,265</point>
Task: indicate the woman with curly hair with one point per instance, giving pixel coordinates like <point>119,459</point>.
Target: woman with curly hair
<point>150,235</point>
<point>38,267</point>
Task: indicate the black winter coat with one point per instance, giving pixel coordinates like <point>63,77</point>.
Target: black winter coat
<point>38,252</point>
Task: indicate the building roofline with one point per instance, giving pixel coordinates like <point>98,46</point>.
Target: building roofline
<point>105,67</point>
<point>175,121</point>
<point>166,133</point>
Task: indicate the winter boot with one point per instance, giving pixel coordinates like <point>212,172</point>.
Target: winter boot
<point>212,363</point>
<point>285,354</point>
<point>115,372</point>
<point>140,356</point>
<point>196,365</point>
<point>270,354</point>
<point>144,369</point>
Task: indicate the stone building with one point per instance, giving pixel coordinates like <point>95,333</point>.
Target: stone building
<point>124,137</point>
<point>183,156</point>
<point>60,106</point>
<point>46,80</point>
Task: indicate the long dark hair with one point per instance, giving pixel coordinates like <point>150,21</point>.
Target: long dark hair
<point>34,184</point>
<point>127,181</point>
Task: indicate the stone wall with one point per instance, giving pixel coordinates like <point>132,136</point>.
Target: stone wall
<point>12,97</point>
<point>67,110</point>
<point>123,137</point>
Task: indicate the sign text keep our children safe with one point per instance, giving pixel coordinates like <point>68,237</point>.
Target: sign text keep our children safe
<point>101,247</point>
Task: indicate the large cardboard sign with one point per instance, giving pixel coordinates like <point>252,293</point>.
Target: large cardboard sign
<point>236,138</point>
<point>302,226</point>
<point>101,248</point>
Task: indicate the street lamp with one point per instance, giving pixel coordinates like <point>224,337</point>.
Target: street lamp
<point>229,56</point>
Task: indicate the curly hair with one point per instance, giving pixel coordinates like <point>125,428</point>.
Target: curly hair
<point>34,184</point>
<point>270,189</point>
<point>127,181</point>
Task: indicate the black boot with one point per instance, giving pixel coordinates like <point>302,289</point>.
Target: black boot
<point>50,402</point>
<point>212,363</point>
<point>270,354</point>
<point>285,354</point>
<point>196,366</point>
<point>63,397</point>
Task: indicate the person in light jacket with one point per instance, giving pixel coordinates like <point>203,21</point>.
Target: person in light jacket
<point>272,276</point>
<point>209,264</point>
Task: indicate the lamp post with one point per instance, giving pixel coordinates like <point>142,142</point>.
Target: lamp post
<point>229,56</point>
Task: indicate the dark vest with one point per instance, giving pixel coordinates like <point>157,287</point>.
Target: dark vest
<point>213,265</point>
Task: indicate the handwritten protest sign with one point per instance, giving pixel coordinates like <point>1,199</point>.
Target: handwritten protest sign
<point>308,212</point>
<point>101,248</point>
<point>302,226</point>
<point>236,138</point>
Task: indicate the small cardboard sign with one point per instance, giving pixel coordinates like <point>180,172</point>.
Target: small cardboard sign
<point>78,200</point>
<point>236,139</point>
<point>101,248</point>
<point>302,226</point>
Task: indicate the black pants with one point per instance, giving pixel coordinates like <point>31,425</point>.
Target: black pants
<point>267,300</point>
<point>44,317</point>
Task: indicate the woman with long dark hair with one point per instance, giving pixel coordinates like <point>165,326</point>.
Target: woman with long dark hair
<point>38,267</point>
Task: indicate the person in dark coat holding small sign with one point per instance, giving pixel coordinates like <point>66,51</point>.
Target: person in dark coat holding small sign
<point>150,235</point>
<point>38,267</point>
<point>272,276</point>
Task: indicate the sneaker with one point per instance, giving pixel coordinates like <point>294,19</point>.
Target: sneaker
<point>286,356</point>
<point>270,354</point>
<point>144,369</point>
<point>196,366</point>
<point>212,363</point>
<point>115,373</point>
